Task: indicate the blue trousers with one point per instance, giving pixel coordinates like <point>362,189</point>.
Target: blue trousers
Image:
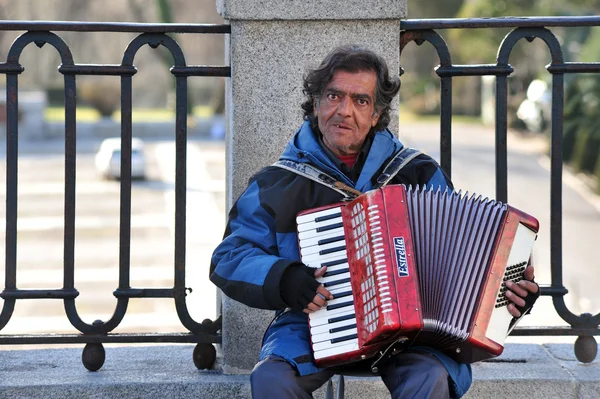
<point>409,375</point>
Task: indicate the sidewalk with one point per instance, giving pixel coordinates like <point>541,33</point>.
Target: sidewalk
<point>526,371</point>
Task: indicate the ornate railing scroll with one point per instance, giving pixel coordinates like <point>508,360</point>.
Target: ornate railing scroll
<point>205,333</point>
<point>585,326</point>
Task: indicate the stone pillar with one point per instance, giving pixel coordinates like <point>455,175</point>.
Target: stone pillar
<point>271,45</point>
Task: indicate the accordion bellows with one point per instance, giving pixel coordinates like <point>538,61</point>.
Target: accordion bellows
<point>416,265</point>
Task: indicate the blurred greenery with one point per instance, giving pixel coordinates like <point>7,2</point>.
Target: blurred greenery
<point>581,136</point>
<point>420,94</point>
<point>480,46</point>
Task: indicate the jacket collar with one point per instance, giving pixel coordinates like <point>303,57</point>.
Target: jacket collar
<point>304,147</point>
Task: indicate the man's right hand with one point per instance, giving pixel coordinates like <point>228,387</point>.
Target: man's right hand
<point>322,295</point>
<point>300,290</point>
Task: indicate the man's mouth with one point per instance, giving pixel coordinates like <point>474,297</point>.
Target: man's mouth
<point>341,126</point>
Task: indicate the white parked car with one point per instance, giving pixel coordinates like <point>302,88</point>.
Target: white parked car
<point>108,159</point>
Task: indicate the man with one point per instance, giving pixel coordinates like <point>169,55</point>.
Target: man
<point>344,136</point>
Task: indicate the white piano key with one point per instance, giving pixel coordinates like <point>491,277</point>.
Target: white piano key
<point>312,216</point>
<point>324,258</point>
<point>316,338</point>
<point>324,328</point>
<point>340,288</point>
<point>330,279</point>
<point>337,301</point>
<point>349,346</point>
<point>322,316</point>
<point>313,249</point>
<point>316,225</point>
<point>317,346</point>
<point>311,237</point>
<point>342,266</point>
<point>317,262</point>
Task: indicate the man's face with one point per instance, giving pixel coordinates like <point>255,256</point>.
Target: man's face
<point>346,111</point>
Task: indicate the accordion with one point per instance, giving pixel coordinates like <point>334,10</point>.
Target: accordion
<point>417,266</point>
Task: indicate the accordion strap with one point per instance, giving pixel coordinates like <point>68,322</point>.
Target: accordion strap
<point>310,172</point>
<point>400,160</point>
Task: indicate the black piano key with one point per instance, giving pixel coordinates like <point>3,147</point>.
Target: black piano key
<point>342,294</point>
<point>338,329</point>
<point>340,305</point>
<point>341,318</point>
<point>335,272</point>
<point>329,227</point>
<point>342,339</point>
<point>335,262</point>
<point>337,282</point>
<point>328,217</point>
<point>332,250</point>
<point>330,240</point>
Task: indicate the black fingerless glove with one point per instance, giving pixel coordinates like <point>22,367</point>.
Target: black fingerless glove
<point>298,286</point>
<point>529,301</point>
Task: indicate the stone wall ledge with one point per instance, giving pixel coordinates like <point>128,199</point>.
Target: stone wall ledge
<point>523,370</point>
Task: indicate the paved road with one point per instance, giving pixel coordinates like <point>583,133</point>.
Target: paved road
<point>40,232</point>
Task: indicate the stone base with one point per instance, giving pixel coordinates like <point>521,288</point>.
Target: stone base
<point>524,370</point>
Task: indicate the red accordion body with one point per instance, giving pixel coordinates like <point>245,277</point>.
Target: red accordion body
<point>414,265</point>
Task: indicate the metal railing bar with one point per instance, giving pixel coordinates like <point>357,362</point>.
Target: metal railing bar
<point>500,22</point>
<point>474,70</point>
<point>145,293</point>
<point>575,67</point>
<point>92,69</point>
<point>551,290</point>
<point>72,26</point>
<point>201,70</point>
<point>108,338</point>
<point>39,294</point>
<point>555,331</point>
<point>11,68</point>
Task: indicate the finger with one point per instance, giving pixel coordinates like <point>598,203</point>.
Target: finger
<point>313,307</point>
<point>308,309</point>
<point>528,273</point>
<point>320,271</point>
<point>320,299</point>
<point>529,286</point>
<point>513,310</point>
<point>514,298</point>
<point>323,291</point>
<point>517,289</point>
<point>309,298</point>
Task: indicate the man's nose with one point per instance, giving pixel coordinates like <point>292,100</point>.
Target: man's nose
<point>345,106</point>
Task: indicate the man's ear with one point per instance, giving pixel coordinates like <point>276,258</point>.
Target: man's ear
<point>375,119</point>
<point>315,108</point>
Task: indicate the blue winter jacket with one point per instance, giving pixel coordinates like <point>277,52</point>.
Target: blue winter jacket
<point>260,240</point>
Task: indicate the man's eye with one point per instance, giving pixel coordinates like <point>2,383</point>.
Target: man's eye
<point>332,96</point>
<point>362,101</point>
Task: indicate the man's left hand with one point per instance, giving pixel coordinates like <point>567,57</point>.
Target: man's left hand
<point>517,292</point>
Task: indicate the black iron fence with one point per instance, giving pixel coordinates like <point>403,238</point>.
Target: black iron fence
<point>205,333</point>
<point>585,326</point>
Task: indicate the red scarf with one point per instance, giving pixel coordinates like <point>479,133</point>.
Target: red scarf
<point>349,160</point>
